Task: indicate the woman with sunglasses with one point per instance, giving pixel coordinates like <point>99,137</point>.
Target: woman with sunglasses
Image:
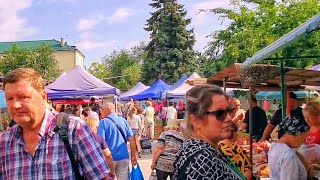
<point>209,121</point>
<point>236,153</point>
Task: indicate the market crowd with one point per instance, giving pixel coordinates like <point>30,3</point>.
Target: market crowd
<point>198,141</point>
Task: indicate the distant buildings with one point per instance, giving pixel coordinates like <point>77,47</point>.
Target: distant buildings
<point>67,56</point>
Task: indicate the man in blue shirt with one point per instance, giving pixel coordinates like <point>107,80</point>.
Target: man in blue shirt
<point>117,140</point>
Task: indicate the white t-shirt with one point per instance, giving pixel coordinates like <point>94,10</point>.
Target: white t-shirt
<point>171,113</point>
<point>149,112</point>
<point>284,163</point>
<point>134,121</point>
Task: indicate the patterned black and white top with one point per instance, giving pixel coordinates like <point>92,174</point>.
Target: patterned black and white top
<point>199,160</point>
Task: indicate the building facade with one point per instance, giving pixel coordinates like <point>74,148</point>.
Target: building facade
<point>67,56</point>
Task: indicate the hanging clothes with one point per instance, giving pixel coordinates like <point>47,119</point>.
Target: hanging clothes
<point>266,105</point>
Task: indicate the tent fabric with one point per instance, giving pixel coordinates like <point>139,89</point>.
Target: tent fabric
<point>79,82</point>
<point>182,80</point>
<point>3,103</point>
<point>270,95</point>
<point>181,91</point>
<point>194,75</point>
<point>154,92</point>
<point>139,87</point>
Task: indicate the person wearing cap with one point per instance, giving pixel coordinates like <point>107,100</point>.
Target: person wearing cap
<point>168,145</point>
<point>283,160</point>
<point>295,113</point>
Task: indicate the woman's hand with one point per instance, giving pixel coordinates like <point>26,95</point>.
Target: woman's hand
<point>153,165</point>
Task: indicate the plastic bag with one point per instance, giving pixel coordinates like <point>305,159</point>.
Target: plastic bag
<point>153,175</point>
<point>136,173</point>
<point>311,152</point>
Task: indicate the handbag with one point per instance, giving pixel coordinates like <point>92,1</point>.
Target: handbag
<point>153,175</point>
<point>136,173</point>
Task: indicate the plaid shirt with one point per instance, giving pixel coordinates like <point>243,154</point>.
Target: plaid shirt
<point>51,160</point>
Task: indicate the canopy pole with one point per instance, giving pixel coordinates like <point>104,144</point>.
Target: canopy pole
<point>250,123</point>
<point>225,84</point>
<point>283,89</point>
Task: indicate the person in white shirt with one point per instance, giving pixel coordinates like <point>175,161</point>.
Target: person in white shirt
<point>149,120</point>
<point>171,112</point>
<point>135,124</point>
<point>284,161</point>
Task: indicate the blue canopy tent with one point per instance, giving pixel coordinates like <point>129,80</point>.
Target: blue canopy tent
<point>79,82</point>
<point>3,103</point>
<point>180,82</point>
<point>154,92</point>
<point>270,95</point>
<point>138,88</point>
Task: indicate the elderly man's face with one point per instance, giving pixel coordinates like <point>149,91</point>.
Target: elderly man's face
<point>25,104</point>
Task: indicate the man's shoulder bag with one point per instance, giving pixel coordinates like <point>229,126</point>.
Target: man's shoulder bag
<point>62,129</point>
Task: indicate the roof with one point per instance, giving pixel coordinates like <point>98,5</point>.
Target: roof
<point>54,44</point>
<point>265,77</point>
<point>79,82</point>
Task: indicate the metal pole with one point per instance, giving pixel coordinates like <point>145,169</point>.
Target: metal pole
<point>250,122</point>
<point>283,90</point>
<point>225,84</point>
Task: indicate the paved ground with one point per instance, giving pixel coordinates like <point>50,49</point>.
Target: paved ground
<point>145,162</point>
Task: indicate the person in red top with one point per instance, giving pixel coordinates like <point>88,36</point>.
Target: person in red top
<point>311,114</point>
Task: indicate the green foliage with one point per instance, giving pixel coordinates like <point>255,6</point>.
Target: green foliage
<point>121,69</point>
<point>39,58</point>
<point>170,52</point>
<point>252,29</point>
<point>100,71</point>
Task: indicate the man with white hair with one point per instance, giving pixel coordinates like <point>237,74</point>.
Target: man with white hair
<point>116,132</point>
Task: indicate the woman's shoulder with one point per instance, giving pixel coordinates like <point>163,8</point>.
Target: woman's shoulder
<point>195,148</point>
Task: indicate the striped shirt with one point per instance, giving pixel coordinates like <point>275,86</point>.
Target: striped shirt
<point>172,142</point>
<point>50,160</point>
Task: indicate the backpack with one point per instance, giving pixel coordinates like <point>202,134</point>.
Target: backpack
<point>62,128</point>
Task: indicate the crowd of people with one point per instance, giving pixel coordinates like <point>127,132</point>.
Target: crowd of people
<point>201,146</point>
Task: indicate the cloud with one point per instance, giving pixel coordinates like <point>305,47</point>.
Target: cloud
<point>202,17</point>
<point>90,44</point>
<point>12,26</point>
<point>87,24</point>
<point>120,15</point>
<point>91,41</point>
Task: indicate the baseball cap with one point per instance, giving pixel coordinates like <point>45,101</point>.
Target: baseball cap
<point>293,95</point>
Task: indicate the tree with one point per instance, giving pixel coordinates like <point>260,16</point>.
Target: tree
<point>121,68</point>
<point>252,29</point>
<point>170,52</point>
<point>100,71</point>
<point>39,58</point>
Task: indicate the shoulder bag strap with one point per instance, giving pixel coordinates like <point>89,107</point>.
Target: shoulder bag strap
<point>62,129</point>
<point>119,128</point>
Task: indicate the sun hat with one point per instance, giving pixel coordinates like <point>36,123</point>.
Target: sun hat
<point>293,126</point>
<point>172,124</point>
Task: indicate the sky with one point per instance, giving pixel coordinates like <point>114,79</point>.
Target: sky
<point>96,27</point>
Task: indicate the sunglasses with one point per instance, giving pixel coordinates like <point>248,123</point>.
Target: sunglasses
<point>221,114</point>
